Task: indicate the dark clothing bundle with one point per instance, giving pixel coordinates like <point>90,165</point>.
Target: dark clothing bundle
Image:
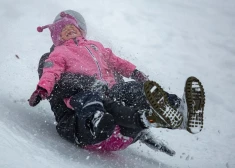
<point>69,124</point>
<point>123,102</point>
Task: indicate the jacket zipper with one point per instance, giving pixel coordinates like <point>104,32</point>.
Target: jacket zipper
<point>97,64</point>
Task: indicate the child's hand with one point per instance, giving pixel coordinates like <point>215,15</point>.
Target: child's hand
<point>37,96</point>
<point>139,76</point>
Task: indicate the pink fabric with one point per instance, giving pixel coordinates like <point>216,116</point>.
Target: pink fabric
<point>57,27</point>
<point>115,142</point>
<point>67,102</point>
<point>87,58</point>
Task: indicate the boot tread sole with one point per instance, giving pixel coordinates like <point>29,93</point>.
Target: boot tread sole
<point>195,99</point>
<point>158,100</point>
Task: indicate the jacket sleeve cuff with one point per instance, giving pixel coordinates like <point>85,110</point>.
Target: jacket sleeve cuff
<point>131,68</point>
<point>47,86</point>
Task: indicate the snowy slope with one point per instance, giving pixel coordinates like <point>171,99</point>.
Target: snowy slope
<point>169,40</point>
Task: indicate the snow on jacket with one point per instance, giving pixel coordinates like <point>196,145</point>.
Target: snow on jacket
<point>84,57</point>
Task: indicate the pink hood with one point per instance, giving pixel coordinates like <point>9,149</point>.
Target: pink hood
<point>57,27</point>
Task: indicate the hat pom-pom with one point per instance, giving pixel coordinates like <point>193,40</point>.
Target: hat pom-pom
<point>39,29</point>
<point>62,14</point>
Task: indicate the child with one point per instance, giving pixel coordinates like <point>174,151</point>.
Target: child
<point>81,79</point>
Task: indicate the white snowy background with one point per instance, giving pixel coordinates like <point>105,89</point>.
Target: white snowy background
<point>169,40</point>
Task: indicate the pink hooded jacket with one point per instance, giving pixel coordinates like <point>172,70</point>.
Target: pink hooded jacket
<point>89,58</point>
<point>83,57</point>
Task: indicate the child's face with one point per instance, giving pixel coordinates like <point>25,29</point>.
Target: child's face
<point>69,32</point>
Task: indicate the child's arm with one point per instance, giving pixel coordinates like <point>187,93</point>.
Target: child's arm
<point>53,67</point>
<point>120,65</point>
<point>124,67</point>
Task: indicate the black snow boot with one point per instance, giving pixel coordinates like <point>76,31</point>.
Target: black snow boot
<point>192,105</point>
<point>161,108</point>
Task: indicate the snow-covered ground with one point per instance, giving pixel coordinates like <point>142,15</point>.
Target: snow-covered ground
<point>167,39</point>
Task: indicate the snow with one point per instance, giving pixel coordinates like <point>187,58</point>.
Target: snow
<point>168,40</point>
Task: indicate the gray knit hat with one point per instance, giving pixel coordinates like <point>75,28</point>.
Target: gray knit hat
<point>79,18</point>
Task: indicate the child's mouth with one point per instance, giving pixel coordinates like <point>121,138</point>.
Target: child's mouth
<point>72,33</point>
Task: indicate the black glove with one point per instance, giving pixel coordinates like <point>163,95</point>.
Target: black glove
<point>139,76</point>
<point>37,96</point>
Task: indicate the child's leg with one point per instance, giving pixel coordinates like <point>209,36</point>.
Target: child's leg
<point>132,94</point>
<point>93,124</point>
<point>124,116</point>
<point>174,100</point>
<point>66,123</point>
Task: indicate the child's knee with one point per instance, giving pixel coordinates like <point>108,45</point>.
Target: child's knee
<point>105,127</point>
<point>84,99</point>
<point>95,129</point>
